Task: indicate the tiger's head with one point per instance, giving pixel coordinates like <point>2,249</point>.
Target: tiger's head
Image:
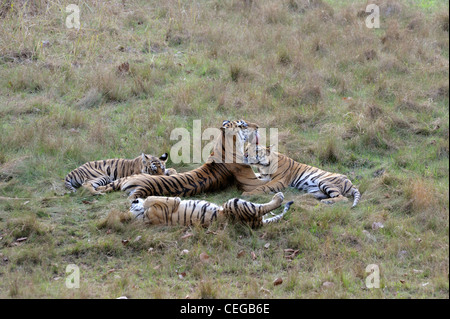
<point>245,131</point>
<point>235,135</point>
<point>264,158</point>
<point>137,208</point>
<point>158,206</point>
<point>258,156</point>
<point>153,165</point>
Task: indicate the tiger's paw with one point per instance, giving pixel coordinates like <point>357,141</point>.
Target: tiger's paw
<point>91,188</point>
<point>170,171</point>
<point>278,197</point>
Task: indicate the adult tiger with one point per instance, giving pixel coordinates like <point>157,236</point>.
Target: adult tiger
<point>97,173</point>
<point>158,210</point>
<point>281,171</point>
<point>223,168</point>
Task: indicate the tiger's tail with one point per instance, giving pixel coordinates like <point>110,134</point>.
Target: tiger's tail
<point>278,217</point>
<point>356,196</point>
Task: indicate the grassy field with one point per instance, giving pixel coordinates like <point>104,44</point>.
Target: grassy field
<point>368,103</point>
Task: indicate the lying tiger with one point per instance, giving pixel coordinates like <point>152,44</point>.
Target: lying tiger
<point>98,173</point>
<point>216,173</point>
<point>159,210</point>
<point>281,171</point>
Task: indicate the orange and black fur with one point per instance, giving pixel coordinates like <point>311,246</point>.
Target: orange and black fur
<point>215,174</point>
<point>99,173</point>
<point>281,171</point>
<point>159,210</point>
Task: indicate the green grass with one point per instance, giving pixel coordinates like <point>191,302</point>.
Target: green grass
<point>345,98</point>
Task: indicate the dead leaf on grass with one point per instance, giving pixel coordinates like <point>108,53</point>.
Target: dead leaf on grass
<point>278,281</point>
<point>204,257</point>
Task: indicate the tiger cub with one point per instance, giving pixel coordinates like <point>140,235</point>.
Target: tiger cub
<point>158,210</point>
<point>99,173</point>
<point>281,171</point>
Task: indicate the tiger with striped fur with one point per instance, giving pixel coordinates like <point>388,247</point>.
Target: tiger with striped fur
<point>223,168</point>
<point>280,171</point>
<point>99,173</point>
<point>159,210</point>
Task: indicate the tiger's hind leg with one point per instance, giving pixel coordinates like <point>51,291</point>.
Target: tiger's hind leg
<point>333,193</point>
<point>319,195</point>
<point>276,201</point>
<point>246,211</point>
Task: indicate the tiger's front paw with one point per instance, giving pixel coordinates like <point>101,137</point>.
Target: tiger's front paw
<point>170,171</point>
<point>91,188</point>
<point>279,197</point>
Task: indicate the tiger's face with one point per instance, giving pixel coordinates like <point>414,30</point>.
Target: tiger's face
<point>137,208</point>
<point>153,165</point>
<point>258,156</point>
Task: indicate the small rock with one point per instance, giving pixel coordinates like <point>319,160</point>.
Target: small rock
<point>327,284</point>
<point>204,257</point>
<point>369,235</point>
<point>377,225</point>
<point>266,246</point>
<point>185,252</point>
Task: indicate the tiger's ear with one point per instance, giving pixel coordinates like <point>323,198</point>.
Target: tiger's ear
<point>144,159</point>
<point>163,157</point>
<point>225,123</point>
<point>269,148</point>
<point>242,123</point>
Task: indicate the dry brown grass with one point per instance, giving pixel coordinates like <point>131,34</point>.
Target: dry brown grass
<point>421,196</point>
